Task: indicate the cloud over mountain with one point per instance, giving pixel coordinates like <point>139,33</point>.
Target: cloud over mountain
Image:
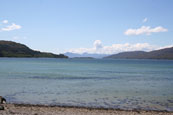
<point>98,48</point>
<point>97,44</point>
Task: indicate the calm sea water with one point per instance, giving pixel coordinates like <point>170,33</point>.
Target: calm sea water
<point>123,84</point>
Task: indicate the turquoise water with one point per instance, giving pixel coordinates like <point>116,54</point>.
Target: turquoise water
<point>123,84</point>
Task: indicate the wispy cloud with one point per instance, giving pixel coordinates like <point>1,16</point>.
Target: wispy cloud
<point>168,46</point>
<point>5,21</point>
<point>145,20</point>
<point>19,38</point>
<point>145,30</point>
<point>114,48</point>
<point>11,27</point>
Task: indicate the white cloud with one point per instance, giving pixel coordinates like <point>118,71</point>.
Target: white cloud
<point>168,46</point>
<point>16,37</point>
<point>114,48</point>
<point>13,26</point>
<point>145,20</point>
<point>19,38</point>
<point>97,44</point>
<point>5,21</point>
<point>145,30</point>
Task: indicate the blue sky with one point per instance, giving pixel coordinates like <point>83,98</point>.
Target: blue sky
<point>93,26</point>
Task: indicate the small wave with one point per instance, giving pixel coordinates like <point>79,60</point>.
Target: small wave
<point>71,78</point>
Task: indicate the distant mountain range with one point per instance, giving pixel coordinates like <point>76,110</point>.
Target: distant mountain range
<point>13,49</point>
<point>166,53</point>
<point>74,55</point>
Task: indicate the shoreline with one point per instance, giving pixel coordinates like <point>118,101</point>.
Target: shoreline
<point>83,107</point>
<point>31,109</point>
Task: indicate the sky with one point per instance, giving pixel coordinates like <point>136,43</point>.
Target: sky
<point>88,26</point>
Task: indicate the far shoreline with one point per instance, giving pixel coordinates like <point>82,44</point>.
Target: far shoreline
<point>78,58</point>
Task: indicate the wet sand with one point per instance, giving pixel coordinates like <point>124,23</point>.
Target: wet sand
<point>25,109</point>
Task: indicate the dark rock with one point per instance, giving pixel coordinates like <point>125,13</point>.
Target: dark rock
<point>2,100</point>
<point>1,107</point>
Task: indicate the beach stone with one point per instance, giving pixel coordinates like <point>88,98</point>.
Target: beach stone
<point>1,107</point>
<point>2,100</point>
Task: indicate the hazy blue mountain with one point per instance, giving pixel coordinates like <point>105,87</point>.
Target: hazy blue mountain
<point>72,55</point>
<point>13,49</point>
<point>166,53</point>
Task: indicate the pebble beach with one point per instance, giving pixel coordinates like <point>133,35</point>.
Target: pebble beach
<point>25,109</point>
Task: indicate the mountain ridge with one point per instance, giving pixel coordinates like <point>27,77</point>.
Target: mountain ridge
<point>14,49</point>
<point>74,55</point>
<point>166,53</point>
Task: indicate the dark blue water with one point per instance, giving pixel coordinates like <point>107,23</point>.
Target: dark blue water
<point>123,84</point>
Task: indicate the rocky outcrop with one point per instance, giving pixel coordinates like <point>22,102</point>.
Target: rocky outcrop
<point>1,107</point>
<point>2,100</point>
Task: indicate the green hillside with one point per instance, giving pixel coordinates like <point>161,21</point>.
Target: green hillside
<point>13,49</point>
<point>166,53</point>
